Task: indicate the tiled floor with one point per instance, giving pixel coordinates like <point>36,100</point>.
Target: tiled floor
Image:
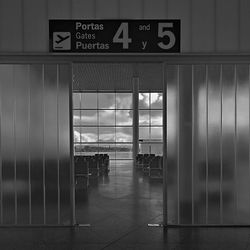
<point>118,209</point>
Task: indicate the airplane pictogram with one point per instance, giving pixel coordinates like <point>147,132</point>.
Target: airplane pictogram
<point>61,38</point>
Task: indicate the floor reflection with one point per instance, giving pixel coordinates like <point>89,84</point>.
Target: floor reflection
<point>124,196</point>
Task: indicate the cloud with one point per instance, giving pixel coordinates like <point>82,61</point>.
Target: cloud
<point>84,137</point>
<point>144,100</point>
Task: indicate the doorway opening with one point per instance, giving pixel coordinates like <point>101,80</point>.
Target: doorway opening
<point>118,142</point>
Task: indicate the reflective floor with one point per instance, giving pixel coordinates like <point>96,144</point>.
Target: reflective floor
<point>125,198</point>
<point>118,209</point>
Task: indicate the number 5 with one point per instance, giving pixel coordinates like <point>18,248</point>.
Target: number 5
<point>168,33</point>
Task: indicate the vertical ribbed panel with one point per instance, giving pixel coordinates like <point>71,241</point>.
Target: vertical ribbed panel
<point>181,9</point>
<point>108,9</point>
<point>206,25</point>
<point>208,144</point>
<point>8,144</point>
<point>62,12</point>
<point>83,9</point>
<point>35,148</point>
<point>35,26</point>
<point>244,25</point>
<point>185,143</point>
<point>131,9</point>
<point>203,33</point>
<point>11,32</point>
<point>172,79</point>
<point>154,11</point>
<point>227,25</point>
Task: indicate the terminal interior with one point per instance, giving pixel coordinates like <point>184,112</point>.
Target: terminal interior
<point>107,119</point>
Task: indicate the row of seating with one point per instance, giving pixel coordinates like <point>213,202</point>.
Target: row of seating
<point>151,165</point>
<point>90,167</point>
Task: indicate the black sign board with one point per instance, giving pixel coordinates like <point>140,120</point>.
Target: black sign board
<point>114,36</point>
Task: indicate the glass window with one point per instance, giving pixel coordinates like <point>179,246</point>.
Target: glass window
<point>124,101</point>
<point>144,100</point>
<point>144,133</point>
<point>89,117</point>
<point>76,100</point>
<point>107,117</point>
<point>108,149</point>
<point>144,117</point>
<point>156,100</point>
<point>144,148</point>
<point>106,100</point>
<point>89,134</point>
<point>89,101</point>
<point>124,117</point>
<point>157,149</point>
<point>77,148</point>
<point>124,151</point>
<point>107,134</point>
<point>76,117</point>
<point>124,134</point>
<point>156,133</point>
<point>103,124</point>
<point>150,121</point>
<point>156,117</point>
<point>77,134</point>
<point>89,149</point>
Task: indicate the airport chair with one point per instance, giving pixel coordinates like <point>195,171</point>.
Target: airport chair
<point>156,168</point>
<point>93,167</point>
<point>81,172</point>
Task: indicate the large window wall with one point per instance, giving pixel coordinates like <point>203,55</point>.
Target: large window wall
<point>150,123</point>
<point>103,124</point>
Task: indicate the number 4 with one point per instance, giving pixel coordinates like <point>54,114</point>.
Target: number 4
<point>121,36</point>
<point>168,33</point>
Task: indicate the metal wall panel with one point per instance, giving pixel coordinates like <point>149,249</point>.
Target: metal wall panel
<point>207,25</point>
<point>203,33</point>
<point>155,10</point>
<point>181,9</point>
<point>11,26</point>
<point>83,9</point>
<point>131,9</point>
<point>35,145</point>
<point>213,143</point>
<point>228,116</point>
<point>21,79</point>
<point>50,142</point>
<point>65,10</point>
<point>35,26</point>
<point>208,144</point>
<point>227,25</point>
<point>244,25</point>
<point>104,9</point>
<point>65,206</point>
<point>242,144</point>
<point>185,144</point>
<point>172,79</point>
<point>199,104</point>
<point>8,144</point>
